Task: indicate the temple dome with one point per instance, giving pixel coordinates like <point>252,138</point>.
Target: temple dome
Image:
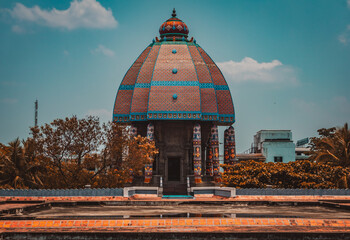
<point>174,79</point>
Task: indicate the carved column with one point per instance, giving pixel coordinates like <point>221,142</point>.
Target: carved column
<point>161,147</point>
<point>149,167</point>
<point>215,146</point>
<point>232,145</point>
<point>197,153</point>
<point>209,161</point>
<point>226,148</point>
<point>133,130</point>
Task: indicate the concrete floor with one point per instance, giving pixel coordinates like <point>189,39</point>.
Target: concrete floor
<point>226,210</point>
<point>209,218</point>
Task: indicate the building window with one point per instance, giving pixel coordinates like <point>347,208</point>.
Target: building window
<point>278,159</point>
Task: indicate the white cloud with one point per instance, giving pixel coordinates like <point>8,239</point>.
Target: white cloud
<point>65,53</point>
<point>9,100</point>
<point>103,50</point>
<point>251,70</point>
<point>344,38</point>
<point>18,29</point>
<point>103,114</point>
<point>80,14</point>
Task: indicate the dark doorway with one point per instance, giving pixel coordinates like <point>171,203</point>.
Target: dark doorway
<point>173,169</point>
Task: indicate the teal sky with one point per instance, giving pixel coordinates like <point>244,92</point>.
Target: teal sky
<point>287,63</point>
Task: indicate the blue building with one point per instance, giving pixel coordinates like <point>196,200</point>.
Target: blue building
<point>274,145</point>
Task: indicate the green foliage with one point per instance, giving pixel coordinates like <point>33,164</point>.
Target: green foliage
<point>298,174</point>
<point>332,146</point>
<point>19,168</point>
<point>72,153</point>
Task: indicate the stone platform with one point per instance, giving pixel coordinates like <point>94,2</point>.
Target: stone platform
<point>320,228</point>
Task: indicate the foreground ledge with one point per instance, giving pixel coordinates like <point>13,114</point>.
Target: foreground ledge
<point>179,225</point>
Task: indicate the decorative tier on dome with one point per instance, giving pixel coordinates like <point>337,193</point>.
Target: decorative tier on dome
<point>173,29</point>
<point>174,80</point>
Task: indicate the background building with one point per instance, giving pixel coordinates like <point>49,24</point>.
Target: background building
<point>276,146</point>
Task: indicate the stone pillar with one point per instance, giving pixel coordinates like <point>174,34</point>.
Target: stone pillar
<point>232,145</point>
<point>197,153</point>
<point>161,147</point>
<point>215,146</point>
<point>133,133</point>
<point>226,148</point>
<point>186,162</point>
<point>209,162</point>
<point>149,167</point>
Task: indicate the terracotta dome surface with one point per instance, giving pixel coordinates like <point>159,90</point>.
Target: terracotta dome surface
<point>174,79</point>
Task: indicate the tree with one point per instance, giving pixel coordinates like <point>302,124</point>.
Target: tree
<point>19,168</point>
<point>77,152</point>
<point>72,153</point>
<point>115,141</point>
<point>64,144</point>
<point>141,151</point>
<point>332,146</point>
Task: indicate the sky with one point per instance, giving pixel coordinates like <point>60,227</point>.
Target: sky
<point>287,63</point>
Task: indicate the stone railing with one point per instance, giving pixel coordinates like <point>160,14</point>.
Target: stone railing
<point>61,192</point>
<point>292,192</point>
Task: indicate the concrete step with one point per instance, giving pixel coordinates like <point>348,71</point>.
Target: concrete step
<point>177,197</point>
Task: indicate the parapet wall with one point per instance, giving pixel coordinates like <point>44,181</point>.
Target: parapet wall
<point>127,192</point>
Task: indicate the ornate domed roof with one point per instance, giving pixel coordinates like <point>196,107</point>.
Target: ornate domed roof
<point>173,27</point>
<point>174,79</point>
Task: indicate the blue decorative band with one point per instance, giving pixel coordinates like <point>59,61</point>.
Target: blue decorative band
<point>212,114</point>
<point>230,118</point>
<point>126,87</point>
<point>172,42</point>
<point>206,85</point>
<point>142,85</point>
<point>227,115</point>
<point>174,112</point>
<point>221,87</point>
<point>120,117</point>
<point>174,115</point>
<point>224,118</point>
<point>216,87</point>
<point>138,117</point>
<point>209,117</point>
<point>175,83</point>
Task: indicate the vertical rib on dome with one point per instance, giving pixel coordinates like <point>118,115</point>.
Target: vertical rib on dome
<point>142,87</point>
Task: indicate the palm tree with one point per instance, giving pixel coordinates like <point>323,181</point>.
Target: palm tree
<point>18,166</point>
<point>333,149</point>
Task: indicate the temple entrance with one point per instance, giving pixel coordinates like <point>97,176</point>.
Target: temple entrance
<point>173,168</point>
<point>173,186</point>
